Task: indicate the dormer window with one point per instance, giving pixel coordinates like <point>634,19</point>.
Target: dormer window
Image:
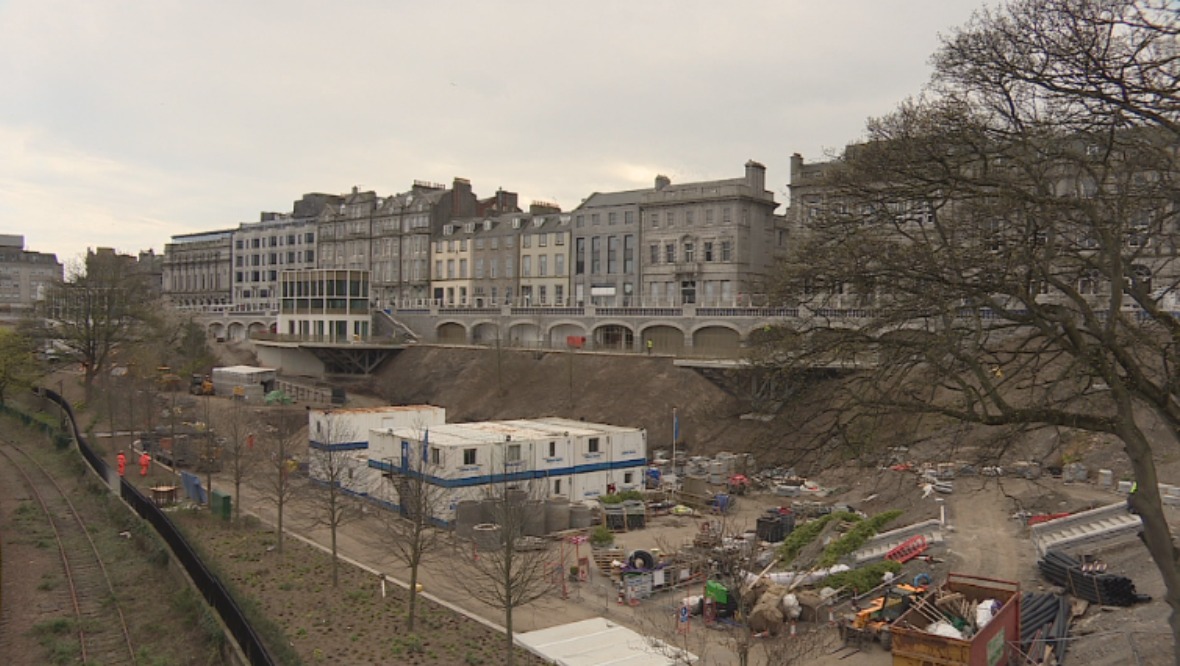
<point>469,227</point>
<point>538,221</point>
<point>487,225</point>
<point>448,229</point>
<point>516,223</point>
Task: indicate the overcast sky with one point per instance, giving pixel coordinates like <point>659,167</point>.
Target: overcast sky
<point>123,123</point>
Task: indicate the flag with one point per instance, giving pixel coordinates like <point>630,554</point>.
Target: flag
<point>675,426</point>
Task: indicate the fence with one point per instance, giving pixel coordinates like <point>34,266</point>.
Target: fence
<point>210,587</point>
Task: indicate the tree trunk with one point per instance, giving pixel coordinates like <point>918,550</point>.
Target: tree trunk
<point>510,659</point>
<point>1156,534</point>
<point>413,596</point>
<point>335,562</point>
<point>237,498</point>
<point>279,506</point>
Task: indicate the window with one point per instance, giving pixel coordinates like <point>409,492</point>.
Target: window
<point>468,456</point>
<point>592,445</point>
<point>655,254</point>
<point>579,256</point>
<point>463,269</point>
<point>542,295</point>
<point>558,294</point>
<point>726,215</point>
<point>479,268</point>
<point>543,240</point>
<point>580,221</point>
<point>594,219</point>
<point>612,254</point>
<point>688,217</point>
<point>596,255</point>
<point>309,256</point>
<point>435,456</point>
<point>1088,283</point>
<point>526,266</point>
<point>543,267</point>
<point>526,240</point>
<point>512,453</point>
<point>708,250</point>
<point>726,250</point>
<point>688,252</point>
<point>438,268</point>
<point>450,269</point>
<point>629,253</point>
<point>559,264</point>
<point>629,217</point>
<point>654,220</point>
<point>557,486</point>
<point>612,218</point>
<point>309,238</point>
<point>559,238</point>
<point>628,477</point>
<point>552,449</point>
<point>670,253</point>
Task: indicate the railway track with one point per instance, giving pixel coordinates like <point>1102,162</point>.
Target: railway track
<point>101,628</point>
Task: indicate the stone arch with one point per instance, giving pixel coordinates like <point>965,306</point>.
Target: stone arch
<point>524,334</point>
<point>257,327</point>
<point>716,341</point>
<point>216,331</point>
<point>485,332</point>
<point>665,339</point>
<point>614,336</point>
<point>559,331</point>
<point>236,331</point>
<point>451,333</point>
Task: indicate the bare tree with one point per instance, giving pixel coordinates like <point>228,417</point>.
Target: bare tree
<point>95,310</point>
<point>282,439</point>
<point>235,427</point>
<point>335,471</point>
<point>514,572</point>
<point>1002,250</point>
<point>411,531</point>
<point>18,365</point>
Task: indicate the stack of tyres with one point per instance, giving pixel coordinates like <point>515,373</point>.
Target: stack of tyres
<point>1096,587</point>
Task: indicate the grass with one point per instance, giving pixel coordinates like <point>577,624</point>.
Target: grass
<point>56,636</point>
<point>856,537</point>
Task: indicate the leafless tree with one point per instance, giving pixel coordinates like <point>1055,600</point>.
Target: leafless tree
<point>513,573</point>
<point>95,310</point>
<point>283,439</point>
<point>1002,249</point>
<point>335,471</point>
<point>236,427</point>
<point>411,531</point>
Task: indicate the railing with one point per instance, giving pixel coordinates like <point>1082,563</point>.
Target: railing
<point>207,583</point>
<point>266,336</point>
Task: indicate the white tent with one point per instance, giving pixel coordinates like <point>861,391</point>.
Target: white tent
<point>598,642</point>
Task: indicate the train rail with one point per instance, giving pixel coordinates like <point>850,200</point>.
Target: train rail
<point>102,631</point>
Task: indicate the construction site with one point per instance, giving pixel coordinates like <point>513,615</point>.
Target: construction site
<point>741,544</point>
<point>733,539</point>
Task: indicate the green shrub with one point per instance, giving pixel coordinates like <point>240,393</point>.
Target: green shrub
<point>856,537</point>
<point>807,532</point>
<point>864,578</point>
<point>601,537</point>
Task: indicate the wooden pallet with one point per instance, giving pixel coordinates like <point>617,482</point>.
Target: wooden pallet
<point>604,556</point>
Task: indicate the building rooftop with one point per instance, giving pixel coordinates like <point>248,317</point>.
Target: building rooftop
<point>524,430</point>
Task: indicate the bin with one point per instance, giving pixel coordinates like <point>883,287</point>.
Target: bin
<point>221,505</point>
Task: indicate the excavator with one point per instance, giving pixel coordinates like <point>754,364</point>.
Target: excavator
<point>200,385</point>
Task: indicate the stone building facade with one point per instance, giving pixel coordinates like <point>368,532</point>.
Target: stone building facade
<point>197,270</point>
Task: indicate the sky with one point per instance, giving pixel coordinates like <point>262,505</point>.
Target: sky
<point>125,122</point>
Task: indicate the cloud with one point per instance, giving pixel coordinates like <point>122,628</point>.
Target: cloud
<point>133,121</point>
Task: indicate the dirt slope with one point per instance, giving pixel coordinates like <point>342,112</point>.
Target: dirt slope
<point>624,390</point>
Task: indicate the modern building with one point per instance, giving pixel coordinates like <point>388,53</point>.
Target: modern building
<point>197,270</point>
<point>25,276</point>
<point>547,457</point>
<point>325,305</point>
